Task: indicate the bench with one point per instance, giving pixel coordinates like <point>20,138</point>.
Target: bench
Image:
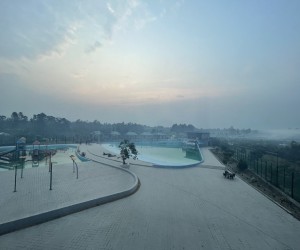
<point>227,174</point>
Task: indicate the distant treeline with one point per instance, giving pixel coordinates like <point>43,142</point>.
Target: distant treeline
<point>41,127</point>
<point>46,127</point>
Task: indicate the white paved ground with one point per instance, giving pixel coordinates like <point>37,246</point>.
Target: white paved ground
<point>194,208</point>
<point>34,197</point>
<point>210,159</point>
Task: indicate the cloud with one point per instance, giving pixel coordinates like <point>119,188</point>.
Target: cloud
<point>78,75</point>
<point>142,22</point>
<point>179,3</point>
<point>136,14</point>
<point>111,10</point>
<point>31,29</point>
<point>93,47</point>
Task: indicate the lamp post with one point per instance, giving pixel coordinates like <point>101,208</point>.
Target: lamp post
<point>23,162</point>
<point>74,165</point>
<point>15,161</point>
<point>15,187</point>
<point>277,182</point>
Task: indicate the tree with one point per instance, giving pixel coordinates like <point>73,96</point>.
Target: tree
<point>127,150</point>
<point>227,155</point>
<point>181,128</point>
<point>256,154</point>
<point>242,165</point>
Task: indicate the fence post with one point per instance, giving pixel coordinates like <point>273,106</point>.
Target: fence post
<point>266,165</point>
<point>283,178</point>
<point>292,187</point>
<point>277,174</point>
<point>50,176</point>
<point>271,172</point>
<point>277,181</point>
<point>15,187</point>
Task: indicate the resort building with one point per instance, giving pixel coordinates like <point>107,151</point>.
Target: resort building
<point>201,137</point>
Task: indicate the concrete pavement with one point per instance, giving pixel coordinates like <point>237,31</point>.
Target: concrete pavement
<point>34,203</point>
<point>194,208</point>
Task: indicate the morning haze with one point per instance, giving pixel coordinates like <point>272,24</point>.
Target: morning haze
<point>208,63</point>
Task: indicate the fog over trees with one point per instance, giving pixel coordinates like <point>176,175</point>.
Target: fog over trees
<point>45,127</point>
<point>42,127</point>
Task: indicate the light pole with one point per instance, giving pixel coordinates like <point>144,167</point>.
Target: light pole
<point>15,188</point>
<point>23,162</point>
<point>277,169</point>
<point>74,165</point>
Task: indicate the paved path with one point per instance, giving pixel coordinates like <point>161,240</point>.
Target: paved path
<point>33,196</point>
<point>194,208</point>
<point>95,152</point>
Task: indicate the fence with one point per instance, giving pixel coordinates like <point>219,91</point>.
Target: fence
<point>279,172</point>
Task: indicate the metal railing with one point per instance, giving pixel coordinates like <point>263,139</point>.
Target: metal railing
<point>279,172</point>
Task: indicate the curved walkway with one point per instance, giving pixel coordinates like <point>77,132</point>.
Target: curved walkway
<point>34,203</point>
<point>95,152</point>
<point>192,208</point>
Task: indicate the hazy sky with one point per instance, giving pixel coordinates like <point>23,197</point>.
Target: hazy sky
<point>209,63</point>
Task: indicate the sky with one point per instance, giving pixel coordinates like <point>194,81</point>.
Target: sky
<point>213,64</point>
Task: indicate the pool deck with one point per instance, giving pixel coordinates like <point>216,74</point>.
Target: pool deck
<point>34,202</point>
<point>192,208</point>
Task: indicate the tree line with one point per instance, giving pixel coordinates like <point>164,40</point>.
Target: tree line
<point>41,127</point>
<point>46,127</point>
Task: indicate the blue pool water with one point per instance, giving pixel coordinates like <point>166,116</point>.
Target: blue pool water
<point>162,156</point>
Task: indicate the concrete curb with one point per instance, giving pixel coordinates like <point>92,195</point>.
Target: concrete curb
<point>183,166</point>
<point>264,194</point>
<point>155,165</point>
<point>60,212</point>
<point>120,168</point>
<point>278,204</point>
<point>270,198</point>
<point>102,157</point>
<point>178,167</point>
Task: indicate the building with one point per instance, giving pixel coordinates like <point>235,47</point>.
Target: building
<point>201,137</point>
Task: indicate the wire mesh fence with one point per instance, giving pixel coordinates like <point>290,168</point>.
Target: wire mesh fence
<point>280,172</point>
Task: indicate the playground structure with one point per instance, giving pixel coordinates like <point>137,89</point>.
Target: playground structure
<point>31,154</point>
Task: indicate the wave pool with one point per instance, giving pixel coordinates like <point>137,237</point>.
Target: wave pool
<point>159,156</point>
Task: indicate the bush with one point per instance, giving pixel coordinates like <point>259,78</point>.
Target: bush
<point>242,165</point>
<point>227,155</point>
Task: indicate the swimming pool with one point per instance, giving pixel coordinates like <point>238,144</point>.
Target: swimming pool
<point>61,156</point>
<point>159,156</point>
